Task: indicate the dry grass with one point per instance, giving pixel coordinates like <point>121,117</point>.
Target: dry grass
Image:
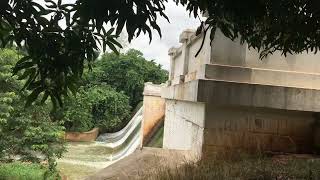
<point>239,166</point>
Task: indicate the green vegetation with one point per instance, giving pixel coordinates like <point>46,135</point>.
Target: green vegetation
<point>34,133</point>
<point>55,58</point>
<point>127,73</point>
<point>111,108</point>
<point>243,167</point>
<point>27,133</point>
<point>97,106</point>
<point>157,139</point>
<point>59,38</point>
<point>77,114</point>
<point>111,91</point>
<point>23,171</point>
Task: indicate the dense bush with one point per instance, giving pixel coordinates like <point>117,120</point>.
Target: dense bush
<point>8,84</point>
<point>127,72</point>
<point>32,135</point>
<point>78,112</point>
<point>25,133</point>
<point>97,106</point>
<point>108,93</point>
<point>111,109</point>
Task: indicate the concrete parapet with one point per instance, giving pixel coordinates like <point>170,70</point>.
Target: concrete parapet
<point>186,35</point>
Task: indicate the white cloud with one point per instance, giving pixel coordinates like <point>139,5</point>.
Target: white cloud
<point>158,49</point>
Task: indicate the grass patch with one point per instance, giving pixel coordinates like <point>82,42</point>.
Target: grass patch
<point>157,140</point>
<point>243,167</point>
<point>22,171</point>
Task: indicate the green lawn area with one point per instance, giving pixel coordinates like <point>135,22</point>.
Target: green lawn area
<point>26,171</point>
<point>21,171</point>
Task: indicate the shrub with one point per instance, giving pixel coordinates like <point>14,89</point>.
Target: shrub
<point>28,133</point>
<point>126,72</point>
<point>111,109</point>
<point>99,106</point>
<point>31,135</point>
<point>8,84</point>
<point>78,112</point>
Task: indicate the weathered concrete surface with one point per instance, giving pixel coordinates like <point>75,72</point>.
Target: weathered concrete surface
<point>204,128</point>
<point>151,159</point>
<point>227,98</point>
<point>184,64</point>
<point>184,125</point>
<point>154,110</point>
<point>82,136</point>
<point>316,138</point>
<point>245,94</point>
<point>258,129</point>
<point>261,76</point>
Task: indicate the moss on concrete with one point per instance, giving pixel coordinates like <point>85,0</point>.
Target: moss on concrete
<point>157,139</point>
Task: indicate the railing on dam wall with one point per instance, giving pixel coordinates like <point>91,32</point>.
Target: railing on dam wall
<point>226,60</point>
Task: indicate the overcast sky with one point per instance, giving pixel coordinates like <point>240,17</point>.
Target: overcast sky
<point>158,49</point>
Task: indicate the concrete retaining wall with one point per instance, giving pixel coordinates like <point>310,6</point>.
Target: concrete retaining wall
<point>153,110</point>
<point>258,129</point>
<point>184,125</point>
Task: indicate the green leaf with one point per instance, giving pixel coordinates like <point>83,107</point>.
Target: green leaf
<point>45,97</point>
<point>27,73</point>
<point>33,96</point>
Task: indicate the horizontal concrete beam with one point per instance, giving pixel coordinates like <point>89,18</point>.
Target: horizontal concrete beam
<point>262,76</point>
<point>221,93</point>
<point>151,89</point>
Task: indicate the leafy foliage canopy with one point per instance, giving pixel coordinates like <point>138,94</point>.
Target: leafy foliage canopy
<point>110,91</point>
<point>28,134</point>
<point>97,106</point>
<point>266,25</point>
<point>60,38</point>
<point>126,72</point>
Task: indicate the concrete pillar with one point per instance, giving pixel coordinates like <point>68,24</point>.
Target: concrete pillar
<point>184,39</point>
<point>172,52</point>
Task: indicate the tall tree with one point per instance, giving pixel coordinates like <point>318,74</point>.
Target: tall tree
<point>59,38</point>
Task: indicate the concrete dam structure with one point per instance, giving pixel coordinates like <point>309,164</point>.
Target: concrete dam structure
<point>224,99</point>
<point>227,98</point>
